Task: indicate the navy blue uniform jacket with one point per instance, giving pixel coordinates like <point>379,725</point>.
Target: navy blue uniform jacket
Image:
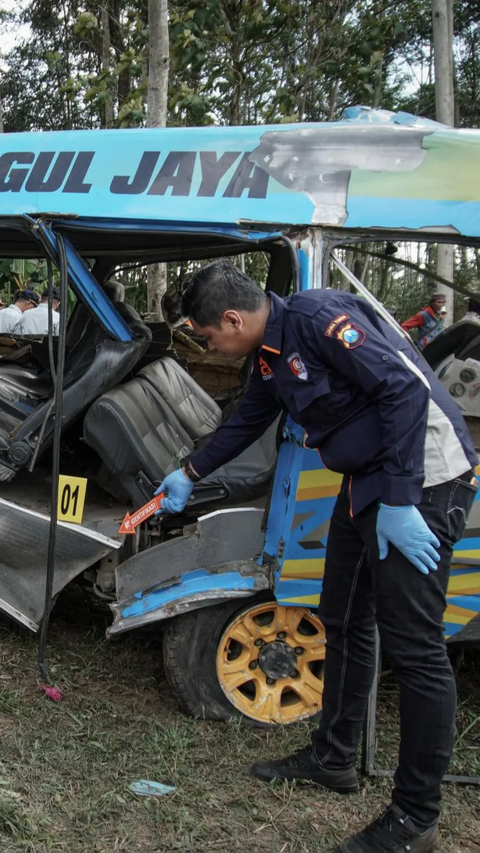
<point>366,399</point>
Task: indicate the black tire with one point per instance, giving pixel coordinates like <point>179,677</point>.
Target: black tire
<point>190,646</point>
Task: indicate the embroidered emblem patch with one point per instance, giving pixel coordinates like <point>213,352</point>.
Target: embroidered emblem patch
<point>351,336</point>
<point>297,366</point>
<point>335,323</point>
<point>265,369</point>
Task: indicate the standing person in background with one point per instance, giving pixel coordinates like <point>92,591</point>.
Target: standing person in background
<point>11,317</point>
<point>429,322</point>
<point>36,323</point>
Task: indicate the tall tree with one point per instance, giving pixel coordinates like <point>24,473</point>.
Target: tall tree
<point>157,100</point>
<point>442,14</point>
<point>106,45</point>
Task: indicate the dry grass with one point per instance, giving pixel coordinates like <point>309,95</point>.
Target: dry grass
<point>65,769</point>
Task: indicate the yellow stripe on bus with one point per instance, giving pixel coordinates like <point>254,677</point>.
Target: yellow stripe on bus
<point>466,584</point>
<point>320,483</point>
<point>455,609</point>
<point>456,619</point>
<point>303,568</point>
<point>305,599</point>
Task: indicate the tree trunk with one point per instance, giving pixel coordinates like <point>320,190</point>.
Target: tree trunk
<point>333,99</point>
<point>118,42</point>
<point>157,100</point>
<point>237,86</point>
<point>377,94</point>
<point>105,20</point>
<point>442,16</point>
<point>158,61</point>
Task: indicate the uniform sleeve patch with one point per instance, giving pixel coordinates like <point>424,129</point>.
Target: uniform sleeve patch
<point>335,323</point>
<point>297,366</point>
<point>351,336</point>
<point>265,369</point>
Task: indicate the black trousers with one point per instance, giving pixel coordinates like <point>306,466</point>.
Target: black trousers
<point>361,591</point>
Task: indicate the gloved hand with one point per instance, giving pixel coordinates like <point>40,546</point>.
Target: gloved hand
<point>178,489</point>
<point>405,528</point>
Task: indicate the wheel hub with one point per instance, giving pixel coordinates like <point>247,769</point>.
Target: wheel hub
<point>277,660</point>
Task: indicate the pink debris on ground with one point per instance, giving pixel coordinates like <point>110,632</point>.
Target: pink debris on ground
<point>53,693</point>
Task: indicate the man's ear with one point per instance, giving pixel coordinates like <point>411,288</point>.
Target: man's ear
<point>233,318</point>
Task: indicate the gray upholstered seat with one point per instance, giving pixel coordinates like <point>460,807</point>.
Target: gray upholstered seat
<point>140,439</point>
<point>137,435</point>
<point>196,411</point>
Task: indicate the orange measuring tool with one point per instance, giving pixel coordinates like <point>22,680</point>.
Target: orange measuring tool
<point>130,522</point>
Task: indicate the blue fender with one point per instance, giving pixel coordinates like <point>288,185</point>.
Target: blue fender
<point>199,588</point>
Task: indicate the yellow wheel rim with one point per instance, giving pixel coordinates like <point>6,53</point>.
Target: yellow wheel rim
<point>270,663</point>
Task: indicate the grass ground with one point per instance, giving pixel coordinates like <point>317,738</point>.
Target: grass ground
<point>65,768</point>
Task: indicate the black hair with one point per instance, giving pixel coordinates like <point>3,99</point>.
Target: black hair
<point>28,295</point>
<point>217,288</point>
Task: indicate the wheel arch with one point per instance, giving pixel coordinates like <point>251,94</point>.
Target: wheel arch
<point>193,590</point>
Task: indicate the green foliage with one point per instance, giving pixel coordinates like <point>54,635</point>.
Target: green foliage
<point>235,62</point>
<point>85,22</point>
<point>18,274</point>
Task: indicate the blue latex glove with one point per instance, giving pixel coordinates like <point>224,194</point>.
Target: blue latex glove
<point>405,528</point>
<point>178,489</point>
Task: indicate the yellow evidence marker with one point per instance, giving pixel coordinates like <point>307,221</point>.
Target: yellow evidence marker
<point>71,498</point>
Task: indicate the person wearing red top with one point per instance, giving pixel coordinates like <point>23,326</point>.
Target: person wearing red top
<point>429,322</point>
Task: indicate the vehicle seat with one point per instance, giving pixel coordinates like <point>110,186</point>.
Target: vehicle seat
<point>115,290</point>
<point>25,381</point>
<point>81,315</point>
<point>197,412</point>
<point>94,365</point>
<point>133,320</point>
<point>456,341</point>
<point>137,436</point>
<point>140,439</point>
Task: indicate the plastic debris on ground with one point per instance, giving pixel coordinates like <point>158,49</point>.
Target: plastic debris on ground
<point>53,693</point>
<point>146,788</point>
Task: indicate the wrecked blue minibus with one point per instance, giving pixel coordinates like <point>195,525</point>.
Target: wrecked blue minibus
<point>234,581</point>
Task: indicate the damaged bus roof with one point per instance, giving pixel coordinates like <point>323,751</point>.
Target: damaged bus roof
<point>371,169</point>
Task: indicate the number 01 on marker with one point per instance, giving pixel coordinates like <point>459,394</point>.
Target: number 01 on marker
<point>71,498</point>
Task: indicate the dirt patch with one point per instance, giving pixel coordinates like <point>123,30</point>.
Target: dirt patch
<point>65,769</point>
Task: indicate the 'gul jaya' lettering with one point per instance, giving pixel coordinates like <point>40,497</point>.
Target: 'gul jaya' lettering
<point>67,172</point>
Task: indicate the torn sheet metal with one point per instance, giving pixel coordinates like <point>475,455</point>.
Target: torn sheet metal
<point>198,588</point>
<point>23,559</point>
<point>221,537</point>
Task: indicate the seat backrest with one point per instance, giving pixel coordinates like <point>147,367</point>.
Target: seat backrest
<point>111,362</point>
<point>83,353</point>
<point>133,320</point>
<point>115,290</point>
<point>197,412</point>
<point>136,434</point>
<point>81,317</point>
<point>26,381</point>
<point>453,341</point>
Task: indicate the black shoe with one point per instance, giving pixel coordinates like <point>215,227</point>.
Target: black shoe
<point>304,765</point>
<point>392,832</point>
